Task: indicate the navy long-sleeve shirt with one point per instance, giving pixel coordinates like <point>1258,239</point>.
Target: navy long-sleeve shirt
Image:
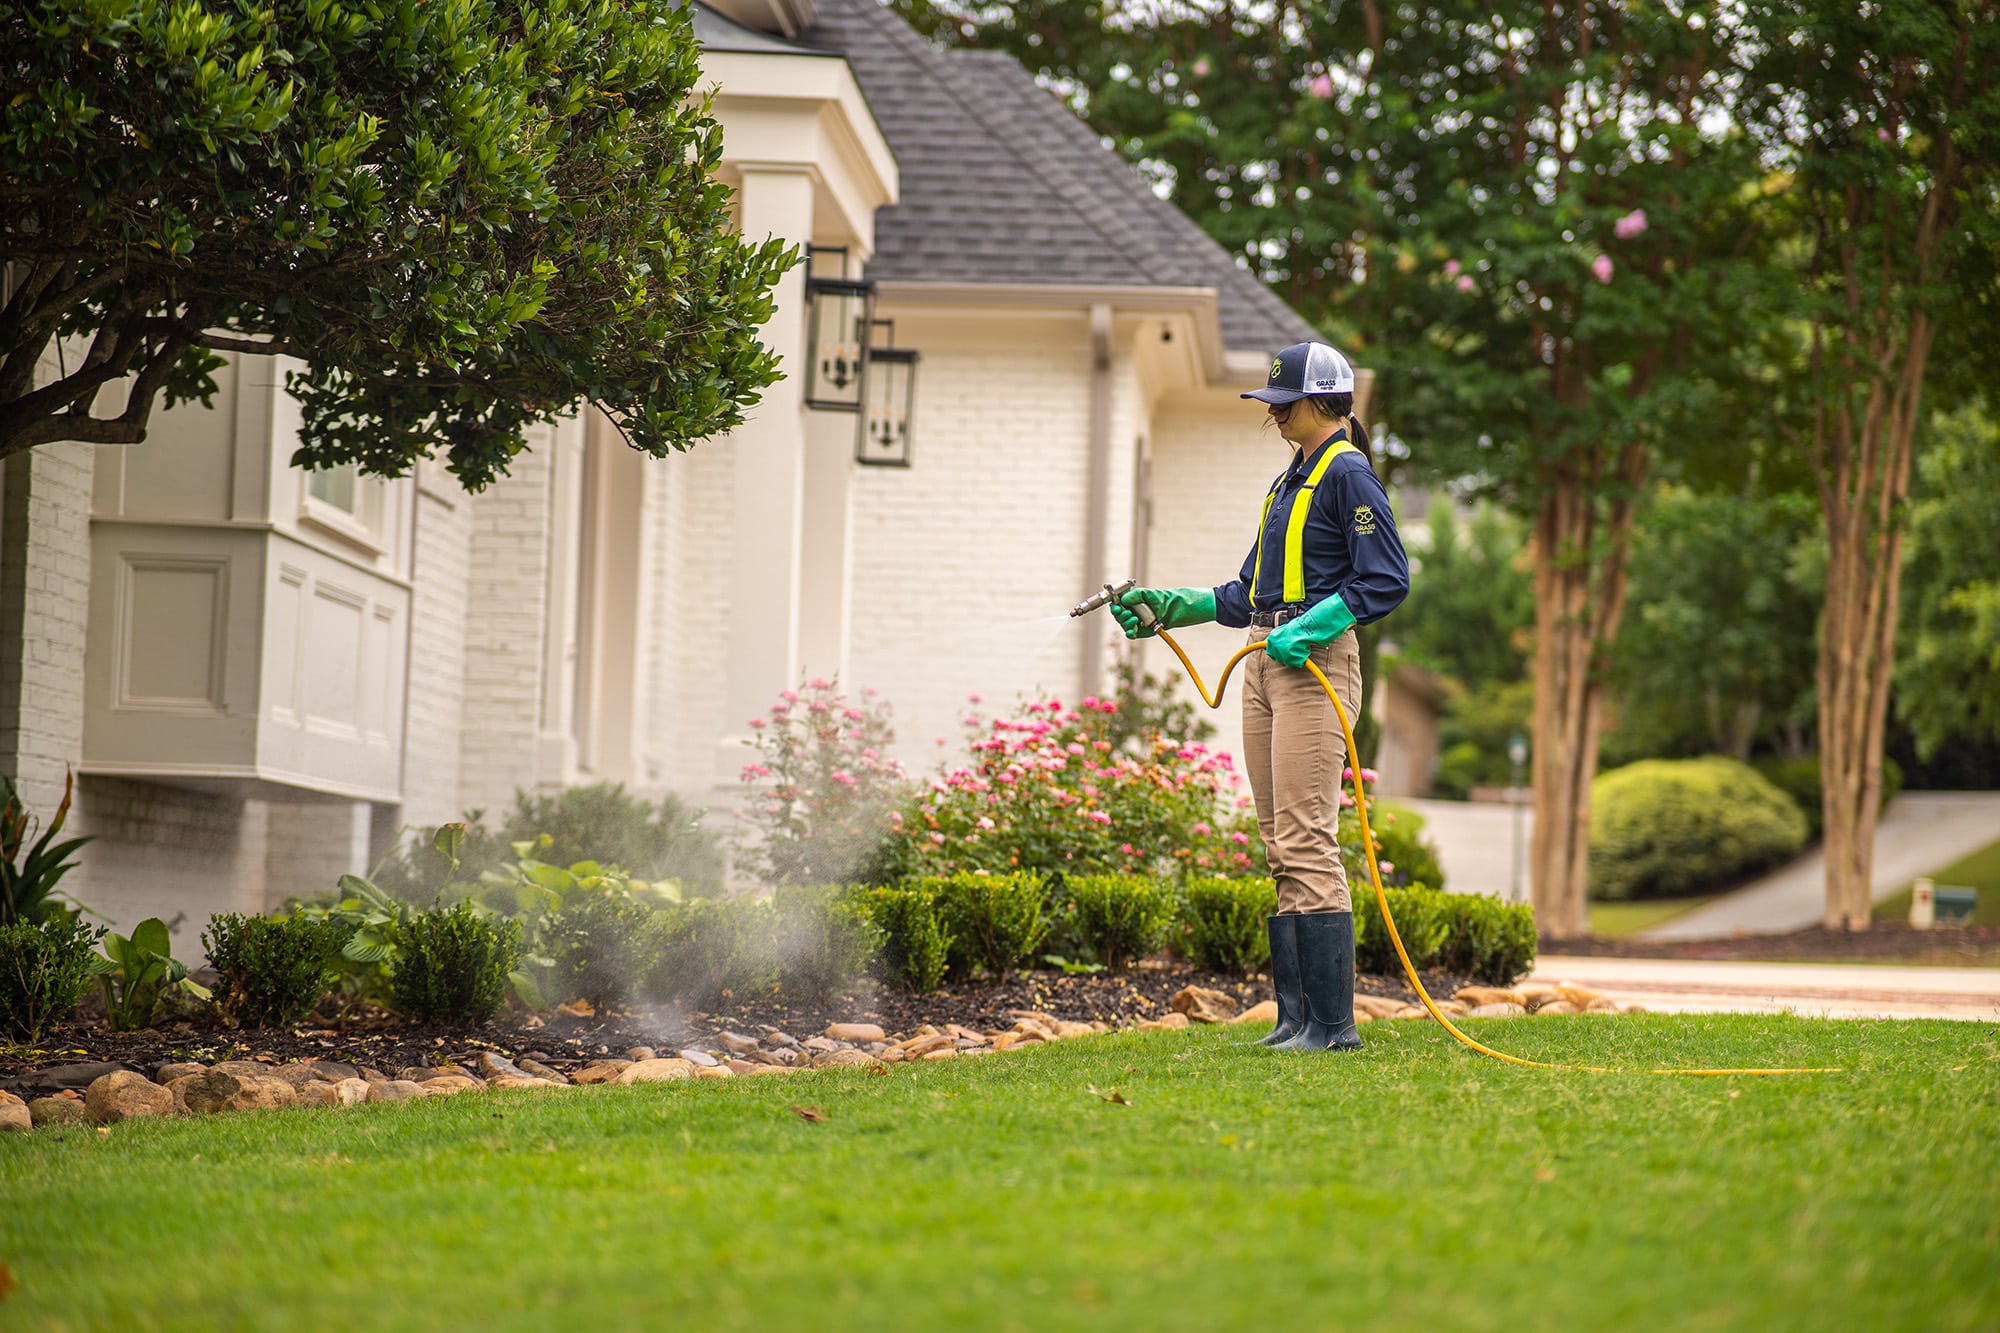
<point>1350,539</point>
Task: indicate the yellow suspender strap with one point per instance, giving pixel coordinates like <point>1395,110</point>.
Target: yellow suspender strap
<point>1295,527</point>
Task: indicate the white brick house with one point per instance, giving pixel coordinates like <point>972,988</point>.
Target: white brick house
<point>260,676</point>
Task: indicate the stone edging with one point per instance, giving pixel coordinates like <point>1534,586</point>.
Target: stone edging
<point>249,1085</point>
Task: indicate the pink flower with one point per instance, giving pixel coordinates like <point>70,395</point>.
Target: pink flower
<point>985,822</point>
<point>758,724</point>
<point>937,837</point>
<point>1451,267</point>
<point>1632,224</point>
<point>973,699</point>
<point>753,771</point>
<point>1129,849</point>
<point>1465,282</point>
<point>1240,839</point>
<point>1321,87</point>
<point>1600,268</point>
<point>1201,67</point>
<point>1386,867</point>
<point>820,683</point>
<point>789,696</point>
<point>816,706</point>
<point>780,708</point>
<point>1884,135</point>
<point>853,714</point>
<point>1201,830</point>
<point>870,692</point>
<point>842,776</point>
<point>1097,816</point>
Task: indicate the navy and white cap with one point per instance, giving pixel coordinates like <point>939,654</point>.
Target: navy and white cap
<point>1305,369</point>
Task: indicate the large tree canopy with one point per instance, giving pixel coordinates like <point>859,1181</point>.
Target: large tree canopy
<point>464,216</point>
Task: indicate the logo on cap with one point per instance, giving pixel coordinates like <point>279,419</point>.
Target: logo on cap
<point>1277,369</point>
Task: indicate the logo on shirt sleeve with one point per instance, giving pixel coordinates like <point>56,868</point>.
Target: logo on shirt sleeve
<point>1364,520</point>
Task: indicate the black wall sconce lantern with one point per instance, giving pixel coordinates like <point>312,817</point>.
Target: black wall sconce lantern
<point>883,437</point>
<point>842,313</point>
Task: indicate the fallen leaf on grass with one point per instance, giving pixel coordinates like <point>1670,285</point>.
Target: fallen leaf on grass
<point>7,1282</point>
<point>1113,1096</point>
<point>1544,1174</point>
<point>810,1113</point>
<point>879,1071</point>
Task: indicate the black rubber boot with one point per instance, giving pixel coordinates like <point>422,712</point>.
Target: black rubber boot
<point>1283,930</point>
<point>1326,983</point>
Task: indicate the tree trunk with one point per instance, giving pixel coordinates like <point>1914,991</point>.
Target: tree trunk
<point>1579,551</point>
<point>1864,486</point>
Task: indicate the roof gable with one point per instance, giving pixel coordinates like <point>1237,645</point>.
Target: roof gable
<point>1001,183</point>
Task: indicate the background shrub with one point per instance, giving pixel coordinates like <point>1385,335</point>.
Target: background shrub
<point>825,939</point>
<point>1799,779</point>
<point>996,921</point>
<point>603,823</point>
<point>272,970</point>
<point>708,951</point>
<point>1400,848</point>
<point>452,964</point>
<point>44,968</point>
<point>1225,923</point>
<point>1421,920</point>
<point>823,785</point>
<point>916,936</point>
<point>598,947</point>
<point>1486,939</point>
<point>1670,826</point>
<point>1119,917</point>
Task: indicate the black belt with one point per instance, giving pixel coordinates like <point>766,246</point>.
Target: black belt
<point>1273,619</point>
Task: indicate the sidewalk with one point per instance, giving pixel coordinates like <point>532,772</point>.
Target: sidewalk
<point>1675,986</point>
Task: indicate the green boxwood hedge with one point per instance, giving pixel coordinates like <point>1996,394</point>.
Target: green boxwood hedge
<point>1662,827</point>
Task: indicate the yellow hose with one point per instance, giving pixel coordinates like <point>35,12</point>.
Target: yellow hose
<point>1382,899</point>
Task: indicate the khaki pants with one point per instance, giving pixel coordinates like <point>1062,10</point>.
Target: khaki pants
<point>1294,752</point>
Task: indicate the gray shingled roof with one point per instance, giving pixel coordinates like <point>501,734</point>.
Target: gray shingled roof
<point>1001,183</point>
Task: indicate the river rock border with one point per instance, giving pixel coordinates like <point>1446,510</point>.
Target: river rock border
<point>187,1088</point>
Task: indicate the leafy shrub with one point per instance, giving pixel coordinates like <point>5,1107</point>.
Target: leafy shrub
<point>1799,779</point>
<point>656,844</point>
<point>997,921</point>
<point>1669,826</point>
<point>710,950</point>
<point>823,785</point>
<point>138,972</point>
<point>1225,923</point>
<point>1487,939</point>
<point>1119,917</point>
<point>1147,707</point>
<point>597,948</point>
<point>1052,792</point>
<point>452,964</point>
<point>1473,735</point>
<point>272,969</point>
<point>44,968</point>
<point>28,882</point>
<point>916,935</point>
<point>1422,920</point>
<point>824,939</point>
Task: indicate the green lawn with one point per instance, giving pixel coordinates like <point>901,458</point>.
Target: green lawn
<point>1413,1185</point>
<point>1980,870</point>
<point>1616,920</point>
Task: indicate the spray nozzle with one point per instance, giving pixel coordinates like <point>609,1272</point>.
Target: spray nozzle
<point>1104,596</point>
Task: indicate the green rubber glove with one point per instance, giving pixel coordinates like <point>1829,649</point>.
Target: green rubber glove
<point>1292,642</point>
<point>1172,608</point>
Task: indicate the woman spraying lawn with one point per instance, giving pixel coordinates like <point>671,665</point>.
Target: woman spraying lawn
<point>1327,557</point>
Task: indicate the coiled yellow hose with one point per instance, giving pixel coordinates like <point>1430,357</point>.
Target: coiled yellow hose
<point>1382,899</point>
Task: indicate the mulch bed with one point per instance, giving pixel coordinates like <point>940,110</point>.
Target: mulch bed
<point>1886,942</point>
<point>565,1041</point>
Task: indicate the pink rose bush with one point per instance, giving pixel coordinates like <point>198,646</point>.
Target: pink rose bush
<point>823,789</point>
<point>1049,791</point>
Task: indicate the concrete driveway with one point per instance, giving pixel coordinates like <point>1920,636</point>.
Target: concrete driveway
<point>1680,986</point>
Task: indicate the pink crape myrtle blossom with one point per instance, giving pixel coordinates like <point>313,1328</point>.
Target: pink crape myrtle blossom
<point>1632,224</point>
<point>1465,283</point>
<point>1451,268</point>
<point>1601,268</point>
<point>1321,87</point>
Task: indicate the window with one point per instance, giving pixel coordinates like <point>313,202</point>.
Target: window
<point>335,486</point>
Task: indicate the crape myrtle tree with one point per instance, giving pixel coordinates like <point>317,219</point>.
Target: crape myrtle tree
<point>464,217</point>
<point>1881,124</point>
<point>1531,219</point>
